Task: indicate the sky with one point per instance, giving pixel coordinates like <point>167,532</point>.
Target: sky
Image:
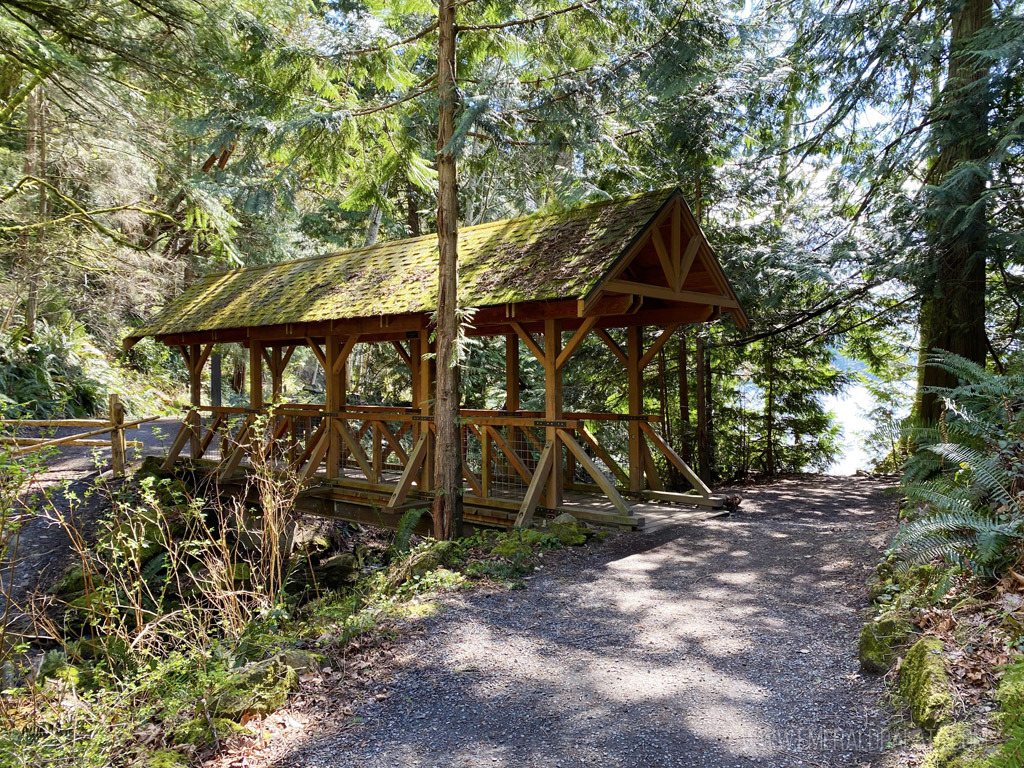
<point>851,409</point>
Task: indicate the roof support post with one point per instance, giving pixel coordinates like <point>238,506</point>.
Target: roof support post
<point>425,395</point>
<point>195,390</point>
<point>255,375</point>
<point>553,407</point>
<point>334,402</point>
<point>511,372</point>
<point>634,373</point>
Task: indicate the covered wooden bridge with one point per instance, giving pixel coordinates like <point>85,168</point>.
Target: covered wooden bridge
<point>542,282</point>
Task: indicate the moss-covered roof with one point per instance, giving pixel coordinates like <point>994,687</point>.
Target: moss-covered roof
<point>535,258</point>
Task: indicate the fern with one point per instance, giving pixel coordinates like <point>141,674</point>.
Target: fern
<point>965,481</point>
<point>406,527</point>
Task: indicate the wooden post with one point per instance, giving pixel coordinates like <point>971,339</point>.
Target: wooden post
<point>215,376</point>
<point>276,372</point>
<point>334,402</point>
<point>553,407</point>
<point>635,381</point>
<point>117,443</point>
<point>255,376</point>
<point>195,392</point>
<point>703,444</point>
<point>426,397</point>
<point>511,372</point>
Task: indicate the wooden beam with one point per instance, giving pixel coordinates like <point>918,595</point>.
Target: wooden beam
<point>256,376</point>
<point>699,485</point>
<point>511,372</point>
<point>635,396</point>
<point>511,455</point>
<point>536,487</point>
<point>412,469</point>
<point>602,454</point>
<point>402,352</point>
<point>393,441</point>
<point>686,261</point>
<point>650,468</point>
<point>575,340</point>
<point>675,244</point>
<point>529,342</point>
<point>318,353</point>
<point>609,490</point>
<point>664,257</point>
<point>609,342</point>
<point>316,455</point>
<point>338,367</point>
<point>355,448</point>
<point>659,342</point>
<point>667,294</point>
<point>553,409</point>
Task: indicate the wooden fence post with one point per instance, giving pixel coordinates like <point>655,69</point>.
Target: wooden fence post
<point>117,442</point>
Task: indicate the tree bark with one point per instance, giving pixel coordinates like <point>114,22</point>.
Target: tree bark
<point>703,446</point>
<point>953,308</point>
<point>448,445</point>
<point>412,219</point>
<point>685,430</point>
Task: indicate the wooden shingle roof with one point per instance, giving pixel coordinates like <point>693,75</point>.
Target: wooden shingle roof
<point>535,258</point>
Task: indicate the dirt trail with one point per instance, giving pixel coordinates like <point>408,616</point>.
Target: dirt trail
<point>730,642</point>
<point>69,480</point>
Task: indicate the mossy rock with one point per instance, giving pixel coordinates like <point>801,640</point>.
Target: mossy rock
<point>422,561</point>
<point>163,758</point>
<point>255,689</point>
<point>517,546</point>
<point>881,640</point>
<point>953,747</point>
<point>569,531</point>
<point>303,662</point>
<point>72,581</point>
<point>925,685</point>
<point>197,732</point>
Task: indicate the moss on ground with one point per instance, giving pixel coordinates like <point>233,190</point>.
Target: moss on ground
<point>924,684</point>
<point>882,639</point>
<point>198,733</point>
<point>954,747</point>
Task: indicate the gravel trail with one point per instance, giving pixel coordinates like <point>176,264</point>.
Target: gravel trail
<point>729,642</point>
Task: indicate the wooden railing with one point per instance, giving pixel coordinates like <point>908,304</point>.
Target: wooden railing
<point>114,425</point>
<point>385,450</point>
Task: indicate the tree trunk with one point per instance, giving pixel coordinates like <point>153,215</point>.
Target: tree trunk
<point>953,307</point>
<point>412,219</point>
<point>34,165</point>
<point>769,414</point>
<point>685,430</point>
<point>703,446</point>
<point>448,446</point>
<point>709,415</point>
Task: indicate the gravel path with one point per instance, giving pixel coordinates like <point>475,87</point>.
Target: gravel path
<point>729,642</point>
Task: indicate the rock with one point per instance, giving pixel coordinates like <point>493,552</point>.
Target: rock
<point>255,689</point>
<point>164,758</point>
<point>197,732</point>
<point>953,748</point>
<point>924,684</point>
<point>338,571</point>
<point>881,640</point>
<point>303,662</point>
<point>422,561</point>
<point>518,545</point>
<point>241,571</point>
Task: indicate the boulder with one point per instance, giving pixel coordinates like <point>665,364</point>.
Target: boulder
<point>255,689</point>
<point>925,686</point>
<point>422,561</point>
<point>881,640</point>
<point>338,571</point>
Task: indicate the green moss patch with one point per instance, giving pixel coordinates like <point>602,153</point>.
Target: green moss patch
<point>198,733</point>
<point>256,689</point>
<point>881,640</point>
<point>953,747</point>
<point>924,684</point>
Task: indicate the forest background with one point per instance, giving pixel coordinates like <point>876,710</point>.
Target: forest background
<point>856,165</point>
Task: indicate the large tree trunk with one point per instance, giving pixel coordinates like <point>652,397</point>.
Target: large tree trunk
<point>685,433</point>
<point>448,447</point>
<point>703,434</point>
<point>953,304</point>
<point>412,217</point>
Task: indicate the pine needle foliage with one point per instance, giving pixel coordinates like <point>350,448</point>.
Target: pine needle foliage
<point>965,483</point>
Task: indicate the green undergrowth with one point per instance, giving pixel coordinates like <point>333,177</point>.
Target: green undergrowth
<point>171,630</point>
